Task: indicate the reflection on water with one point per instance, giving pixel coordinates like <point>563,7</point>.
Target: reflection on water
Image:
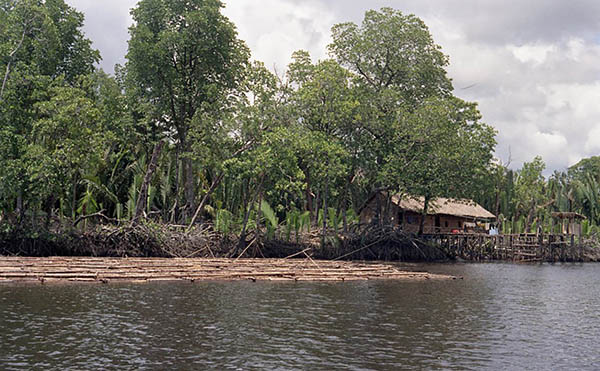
<point>501,316</point>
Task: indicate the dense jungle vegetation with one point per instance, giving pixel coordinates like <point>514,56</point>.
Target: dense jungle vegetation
<point>191,131</point>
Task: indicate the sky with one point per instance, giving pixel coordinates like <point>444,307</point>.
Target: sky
<point>533,66</point>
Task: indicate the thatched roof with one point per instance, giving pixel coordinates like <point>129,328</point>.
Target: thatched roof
<point>568,215</point>
<point>463,208</point>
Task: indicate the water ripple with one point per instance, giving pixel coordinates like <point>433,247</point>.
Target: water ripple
<point>500,316</point>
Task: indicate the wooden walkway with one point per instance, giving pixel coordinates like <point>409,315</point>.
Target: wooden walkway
<point>514,247</point>
<point>105,270</point>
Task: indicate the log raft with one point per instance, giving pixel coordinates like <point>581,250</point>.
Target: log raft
<point>105,270</point>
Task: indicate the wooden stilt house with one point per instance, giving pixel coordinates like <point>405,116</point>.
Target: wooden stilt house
<point>444,215</point>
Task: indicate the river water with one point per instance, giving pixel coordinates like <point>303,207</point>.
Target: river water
<point>500,316</point>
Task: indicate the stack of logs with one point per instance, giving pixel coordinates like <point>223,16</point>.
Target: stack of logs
<point>73,269</point>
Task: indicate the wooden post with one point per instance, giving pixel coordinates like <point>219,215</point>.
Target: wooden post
<point>551,247</point>
<point>482,248</point>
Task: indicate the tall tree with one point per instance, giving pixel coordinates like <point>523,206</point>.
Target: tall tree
<point>184,61</point>
<point>393,50</point>
<point>399,67</point>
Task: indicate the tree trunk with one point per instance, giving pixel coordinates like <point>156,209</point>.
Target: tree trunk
<point>386,210</point>
<point>497,208</point>
<point>259,213</point>
<point>11,60</point>
<point>213,185</point>
<point>424,215</point>
<point>377,215</point>
<point>529,219</point>
<point>19,212</point>
<point>74,199</point>
<point>189,190</point>
<point>345,203</point>
<point>49,207</point>
<point>143,196</point>
<point>317,207</point>
<point>309,201</point>
<point>248,206</point>
<point>175,208</point>
<point>325,194</point>
<point>345,219</point>
<point>242,241</point>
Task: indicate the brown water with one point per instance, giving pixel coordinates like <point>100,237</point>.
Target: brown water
<point>501,316</point>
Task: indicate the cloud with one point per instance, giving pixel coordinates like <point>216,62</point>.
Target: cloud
<point>274,29</point>
<point>106,24</point>
<point>532,53</point>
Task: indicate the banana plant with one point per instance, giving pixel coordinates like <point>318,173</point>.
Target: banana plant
<point>291,223</point>
<point>271,218</point>
<point>304,221</point>
<point>335,219</point>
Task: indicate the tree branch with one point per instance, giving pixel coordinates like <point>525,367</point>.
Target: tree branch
<point>11,56</point>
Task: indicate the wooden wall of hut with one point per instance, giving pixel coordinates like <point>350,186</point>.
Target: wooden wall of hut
<point>409,220</point>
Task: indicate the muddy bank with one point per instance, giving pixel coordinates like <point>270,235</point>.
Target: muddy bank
<point>167,241</point>
<point>164,241</point>
<point>142,240</point>
<point>107,270</point>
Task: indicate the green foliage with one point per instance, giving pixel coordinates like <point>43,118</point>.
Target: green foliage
<point>304,221</point>
<point>335,220</point>
<point>393,51</point>
<point>271,218</point>
<point>296,221</point>
<point>352,217</point>
<point>87,203</point>
<point>224,221</point>
<point>185,65</point>
<point>255,147</point>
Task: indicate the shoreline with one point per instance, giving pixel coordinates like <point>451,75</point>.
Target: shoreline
<point>16,270</point>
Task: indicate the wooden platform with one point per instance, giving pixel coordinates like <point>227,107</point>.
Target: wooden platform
<point>105,270</point>
<point>511,247</point>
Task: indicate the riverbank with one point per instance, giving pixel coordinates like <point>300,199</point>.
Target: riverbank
<point>151,240</point>
<point>141,270</point>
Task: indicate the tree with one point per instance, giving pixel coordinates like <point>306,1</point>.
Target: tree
<point>530,190</point>
<point>184,61</point>
<point>450,151</point>
<point>398,68</point>
<point>67,143</point>
<point>589,165</point>
<point>391,50</point>
<point>229,133</point>
<point>41,48</point>
<point>327,106</point>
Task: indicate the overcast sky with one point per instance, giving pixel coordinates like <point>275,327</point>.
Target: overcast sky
<point>533,66</point>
